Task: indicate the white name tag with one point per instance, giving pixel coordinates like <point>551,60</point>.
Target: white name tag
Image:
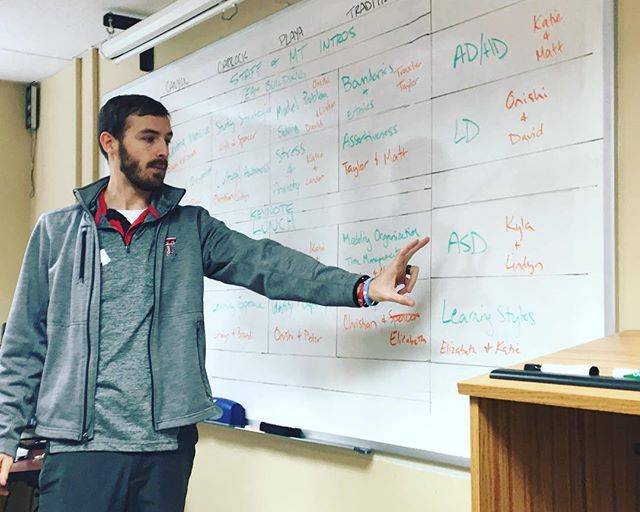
<point>104,257</point>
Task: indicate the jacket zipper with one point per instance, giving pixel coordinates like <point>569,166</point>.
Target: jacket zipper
<point>83,253</point>
<point>136,234</point>
<point>85,433</point>
<point>153,314</point>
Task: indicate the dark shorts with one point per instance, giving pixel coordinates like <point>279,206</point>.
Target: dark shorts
<point>118,482</point>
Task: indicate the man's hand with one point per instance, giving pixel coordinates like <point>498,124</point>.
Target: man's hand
<point>383,286</point>
<point>6,461</point>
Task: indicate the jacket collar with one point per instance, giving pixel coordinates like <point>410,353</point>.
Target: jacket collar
<point>163,200</point>
<point>103,211</point>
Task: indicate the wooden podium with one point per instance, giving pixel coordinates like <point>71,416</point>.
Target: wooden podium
<point>546,447</point>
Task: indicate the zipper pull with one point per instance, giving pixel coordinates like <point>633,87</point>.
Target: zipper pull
<point>85,437</point>
<point>83,253</point>
<point>127,246</point>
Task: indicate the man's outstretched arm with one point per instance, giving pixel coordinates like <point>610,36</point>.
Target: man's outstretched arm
<point>279,272</point>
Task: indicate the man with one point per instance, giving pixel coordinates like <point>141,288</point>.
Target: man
<point>105,343</point>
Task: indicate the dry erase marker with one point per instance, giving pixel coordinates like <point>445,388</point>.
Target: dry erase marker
<point>565,369</point>
<point>280,430</point>
<point>627,373</point>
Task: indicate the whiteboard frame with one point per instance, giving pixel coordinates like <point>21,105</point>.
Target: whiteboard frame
<point>609,59</point>
<point>357,446</point>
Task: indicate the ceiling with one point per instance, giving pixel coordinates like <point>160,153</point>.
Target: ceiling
<point>38,38</point>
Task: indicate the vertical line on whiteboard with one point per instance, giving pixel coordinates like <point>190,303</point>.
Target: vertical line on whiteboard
<point>271,125</point>
<point>269,308</point>
<point>336,331</point>
<point>430,396</point>
<point>339,190</point>
<point>337,260</point>
<point>611,279</point>
<point>339,133</point>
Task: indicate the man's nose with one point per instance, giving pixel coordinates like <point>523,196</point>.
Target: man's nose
<point>162,150</point>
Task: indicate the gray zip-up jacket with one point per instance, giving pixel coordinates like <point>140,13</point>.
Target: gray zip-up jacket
<point>48,360</point>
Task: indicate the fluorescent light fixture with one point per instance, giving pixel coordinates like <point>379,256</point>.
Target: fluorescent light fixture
<point>163,25</point>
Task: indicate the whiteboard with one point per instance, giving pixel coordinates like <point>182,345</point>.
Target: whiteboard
<point>344,129</point>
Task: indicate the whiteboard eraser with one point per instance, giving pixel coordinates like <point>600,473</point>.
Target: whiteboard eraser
<point>228,412</point>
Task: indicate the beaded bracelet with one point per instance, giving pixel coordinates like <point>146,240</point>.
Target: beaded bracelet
<point>358,292</point>
<point>368,301</point>
<point>361,301</point>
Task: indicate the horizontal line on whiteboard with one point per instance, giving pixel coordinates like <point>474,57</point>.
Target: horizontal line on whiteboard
<point>324,206</point>
<point>446,363</point>
<point>363,358</point>
<point>368,199</point>
<point>366,219</point>
<point>346,123</point>
<point>508,77</point>
<point>330,356</point>
<point>500,276</point>
<point>318,388</point>
<point>517,196</point>
<point>262,147</point>
<point>306,39</point>
<point>226,213</point>
<point>342,224</point>
<point>273,144</point>
<point>338,125</point>
<point>475,164</point>
<point>428,173</point>
<point>471,19</point>
<point>292,68</point>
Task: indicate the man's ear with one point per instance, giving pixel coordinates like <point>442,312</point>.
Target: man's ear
<point>108,142</point>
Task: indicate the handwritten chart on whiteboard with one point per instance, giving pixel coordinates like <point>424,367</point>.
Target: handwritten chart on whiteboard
<point>346,129</point>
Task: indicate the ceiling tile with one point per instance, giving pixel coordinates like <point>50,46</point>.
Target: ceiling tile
<point>19,67</point>
<point>59,29</point>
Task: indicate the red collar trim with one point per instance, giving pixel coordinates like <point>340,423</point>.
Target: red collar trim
<point>153,211</point>
<point>102,209</point>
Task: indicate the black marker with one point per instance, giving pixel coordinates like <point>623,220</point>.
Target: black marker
<point>279,430</point>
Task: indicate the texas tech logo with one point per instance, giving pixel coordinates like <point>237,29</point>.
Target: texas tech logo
<point>169,245</point>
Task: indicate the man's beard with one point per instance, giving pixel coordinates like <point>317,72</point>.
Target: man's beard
<point>132,170</point>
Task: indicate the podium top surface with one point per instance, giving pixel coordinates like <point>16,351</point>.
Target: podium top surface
<point>619,351</point>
